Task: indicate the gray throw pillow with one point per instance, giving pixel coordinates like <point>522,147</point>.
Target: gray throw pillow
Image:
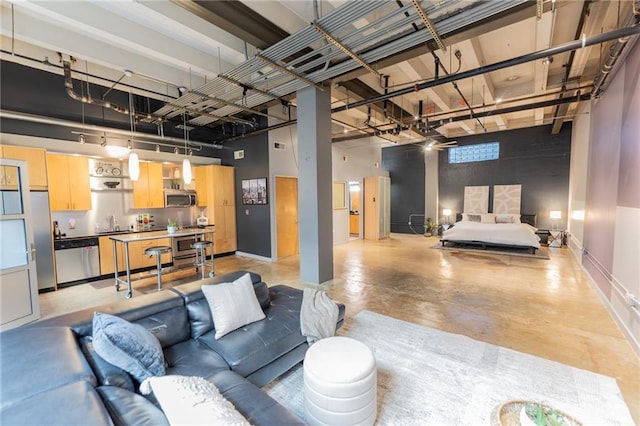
<point>474,217</point>
<point>128,346</point>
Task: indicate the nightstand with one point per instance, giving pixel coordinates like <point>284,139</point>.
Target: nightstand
<point>543,234</point>
<point>557,238</point>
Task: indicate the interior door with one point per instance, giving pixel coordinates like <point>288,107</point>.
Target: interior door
<point>18,278</point>
<point>287,216</point>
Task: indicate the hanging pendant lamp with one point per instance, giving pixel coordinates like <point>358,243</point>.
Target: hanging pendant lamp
<point>186,164</point>
<point>134,161</point>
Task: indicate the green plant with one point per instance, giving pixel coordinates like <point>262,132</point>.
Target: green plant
<point>429,226</point>
<point>171,222</point>
<point>542,415</point>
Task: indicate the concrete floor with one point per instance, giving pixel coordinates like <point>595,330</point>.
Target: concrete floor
<point>542,307</point>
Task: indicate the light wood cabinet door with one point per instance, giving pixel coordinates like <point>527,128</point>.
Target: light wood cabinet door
<point>223,186</point>
<point>147,190</point>
<point>79,186</point>
<point>225,235</point>
<point>106,256</point>
<point>156,190</point>
<point>59,198</point>
<point>36,159</point>
<point>202,186</point>
<point>68,178</point>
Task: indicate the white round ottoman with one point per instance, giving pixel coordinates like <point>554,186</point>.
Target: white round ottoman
<point>340,383</point>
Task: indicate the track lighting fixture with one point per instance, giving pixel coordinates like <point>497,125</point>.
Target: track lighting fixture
<point>103,141</point>
<point>81,138</point>
<point>175,150</point>
<point>157,148</point>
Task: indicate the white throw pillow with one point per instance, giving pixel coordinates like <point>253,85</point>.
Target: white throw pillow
<point>232,304</point>
<point>487,218</point>
<point>192,401</point>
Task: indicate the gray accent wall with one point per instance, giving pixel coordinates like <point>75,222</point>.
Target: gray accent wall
<point>531,157</point>
<point>252,221</point>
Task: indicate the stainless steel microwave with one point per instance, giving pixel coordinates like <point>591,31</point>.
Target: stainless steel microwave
<point>180,198</point>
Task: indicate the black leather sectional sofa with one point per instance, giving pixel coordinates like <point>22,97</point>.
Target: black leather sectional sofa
<point>50,373</point>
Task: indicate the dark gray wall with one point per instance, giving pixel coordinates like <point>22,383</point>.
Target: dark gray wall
<point>405,164</point>
<point>252,221</point>
<point>532,157</point>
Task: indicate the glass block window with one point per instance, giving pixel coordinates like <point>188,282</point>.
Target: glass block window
<point>478,152</point>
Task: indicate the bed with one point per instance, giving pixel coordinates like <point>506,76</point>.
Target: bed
<point>489,230</point>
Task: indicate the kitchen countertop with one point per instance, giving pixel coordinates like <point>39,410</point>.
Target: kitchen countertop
<point>128,232</point>
<point>160,233</point>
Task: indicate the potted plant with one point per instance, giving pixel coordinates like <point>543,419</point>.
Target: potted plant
<point>172,226</point>
<point>538,414</point>
<point>429,227</point>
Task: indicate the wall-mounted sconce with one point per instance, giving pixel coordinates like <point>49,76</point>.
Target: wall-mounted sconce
<point>577,214</point>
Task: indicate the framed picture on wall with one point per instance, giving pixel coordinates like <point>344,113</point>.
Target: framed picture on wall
<point>254,191</point>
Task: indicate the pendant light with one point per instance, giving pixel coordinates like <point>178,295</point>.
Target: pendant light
<point>134,162</point>
<point>186,164</point>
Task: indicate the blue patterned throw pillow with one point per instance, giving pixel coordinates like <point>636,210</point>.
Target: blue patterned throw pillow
<point>128,346</point>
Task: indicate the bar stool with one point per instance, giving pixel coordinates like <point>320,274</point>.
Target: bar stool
<point>201,256</point>
<point>158,251</point>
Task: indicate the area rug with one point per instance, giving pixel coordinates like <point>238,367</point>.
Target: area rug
<point>429,377</point>
<point>541,253</point>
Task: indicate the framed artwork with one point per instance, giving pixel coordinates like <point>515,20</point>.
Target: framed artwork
<point>254,191</point>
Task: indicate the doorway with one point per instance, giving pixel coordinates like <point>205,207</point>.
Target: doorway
<point>287,216</point>
<point>18,278</point>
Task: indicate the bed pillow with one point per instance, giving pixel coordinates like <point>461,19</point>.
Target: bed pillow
<point>472,217</point>
<point>507,218</point>
<point>192,401</point>
<point>232,305</point>
<point>129,346</point>
<point>487,218</point>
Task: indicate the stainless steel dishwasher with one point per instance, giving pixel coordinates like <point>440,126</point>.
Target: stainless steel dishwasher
<point>77,259</point>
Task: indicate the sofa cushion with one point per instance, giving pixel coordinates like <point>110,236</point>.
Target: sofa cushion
<point>35,360</point>
<point>106,373</point>
<point>200,318</point>
<point>128,346</point>
<point>233,304</point>
<point>253,403</point>
<point>257,344</point>
<point>191,358</point>
<point>75,403</point>
<point>192,400</point>
<point>127,408</point>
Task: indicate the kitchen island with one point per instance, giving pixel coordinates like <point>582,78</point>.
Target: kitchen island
<point>126,239</point>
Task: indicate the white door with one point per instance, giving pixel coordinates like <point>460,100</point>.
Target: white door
<point>18,279</point>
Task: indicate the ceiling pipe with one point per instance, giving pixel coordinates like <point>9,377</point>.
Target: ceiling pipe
<point>557,122</point>
<point>13,115</point>
<point>615,51</point>
<point>566,47</point>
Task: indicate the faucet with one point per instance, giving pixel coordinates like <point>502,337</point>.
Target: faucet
<point>111,218</point>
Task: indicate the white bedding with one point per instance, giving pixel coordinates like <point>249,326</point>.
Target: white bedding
<point>516,234</point>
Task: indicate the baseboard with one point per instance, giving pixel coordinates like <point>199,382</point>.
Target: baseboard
<point>254,256</point>
<point>635,344</point>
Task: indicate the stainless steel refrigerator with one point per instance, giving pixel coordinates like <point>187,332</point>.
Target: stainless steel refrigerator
<point>43,235</point>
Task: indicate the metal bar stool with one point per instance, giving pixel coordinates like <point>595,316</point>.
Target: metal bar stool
<point>158,251</point>
<point>201,256</point>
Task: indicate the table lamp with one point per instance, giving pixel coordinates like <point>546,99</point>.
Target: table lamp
<point>446,213</point>
<point>555,215</point>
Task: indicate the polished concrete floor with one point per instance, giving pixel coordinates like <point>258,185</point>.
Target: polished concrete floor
<point>542,307</point>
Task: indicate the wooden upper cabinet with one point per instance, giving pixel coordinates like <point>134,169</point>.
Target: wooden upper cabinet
<point>147,190</point>
<point>36,159</point>
<point>69,187</point>
<point>223,186</point>
<point>202,174</point>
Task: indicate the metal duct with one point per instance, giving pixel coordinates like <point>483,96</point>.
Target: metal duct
<point>600,38</point>
<point>615,51</point>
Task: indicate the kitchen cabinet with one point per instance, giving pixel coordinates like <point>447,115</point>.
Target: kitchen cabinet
<point>69,187</point>
<point>215,186</point>
<point>138,259</point>
<point>148,189</point>
<point>106,256</point>
<point>36,159</point>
